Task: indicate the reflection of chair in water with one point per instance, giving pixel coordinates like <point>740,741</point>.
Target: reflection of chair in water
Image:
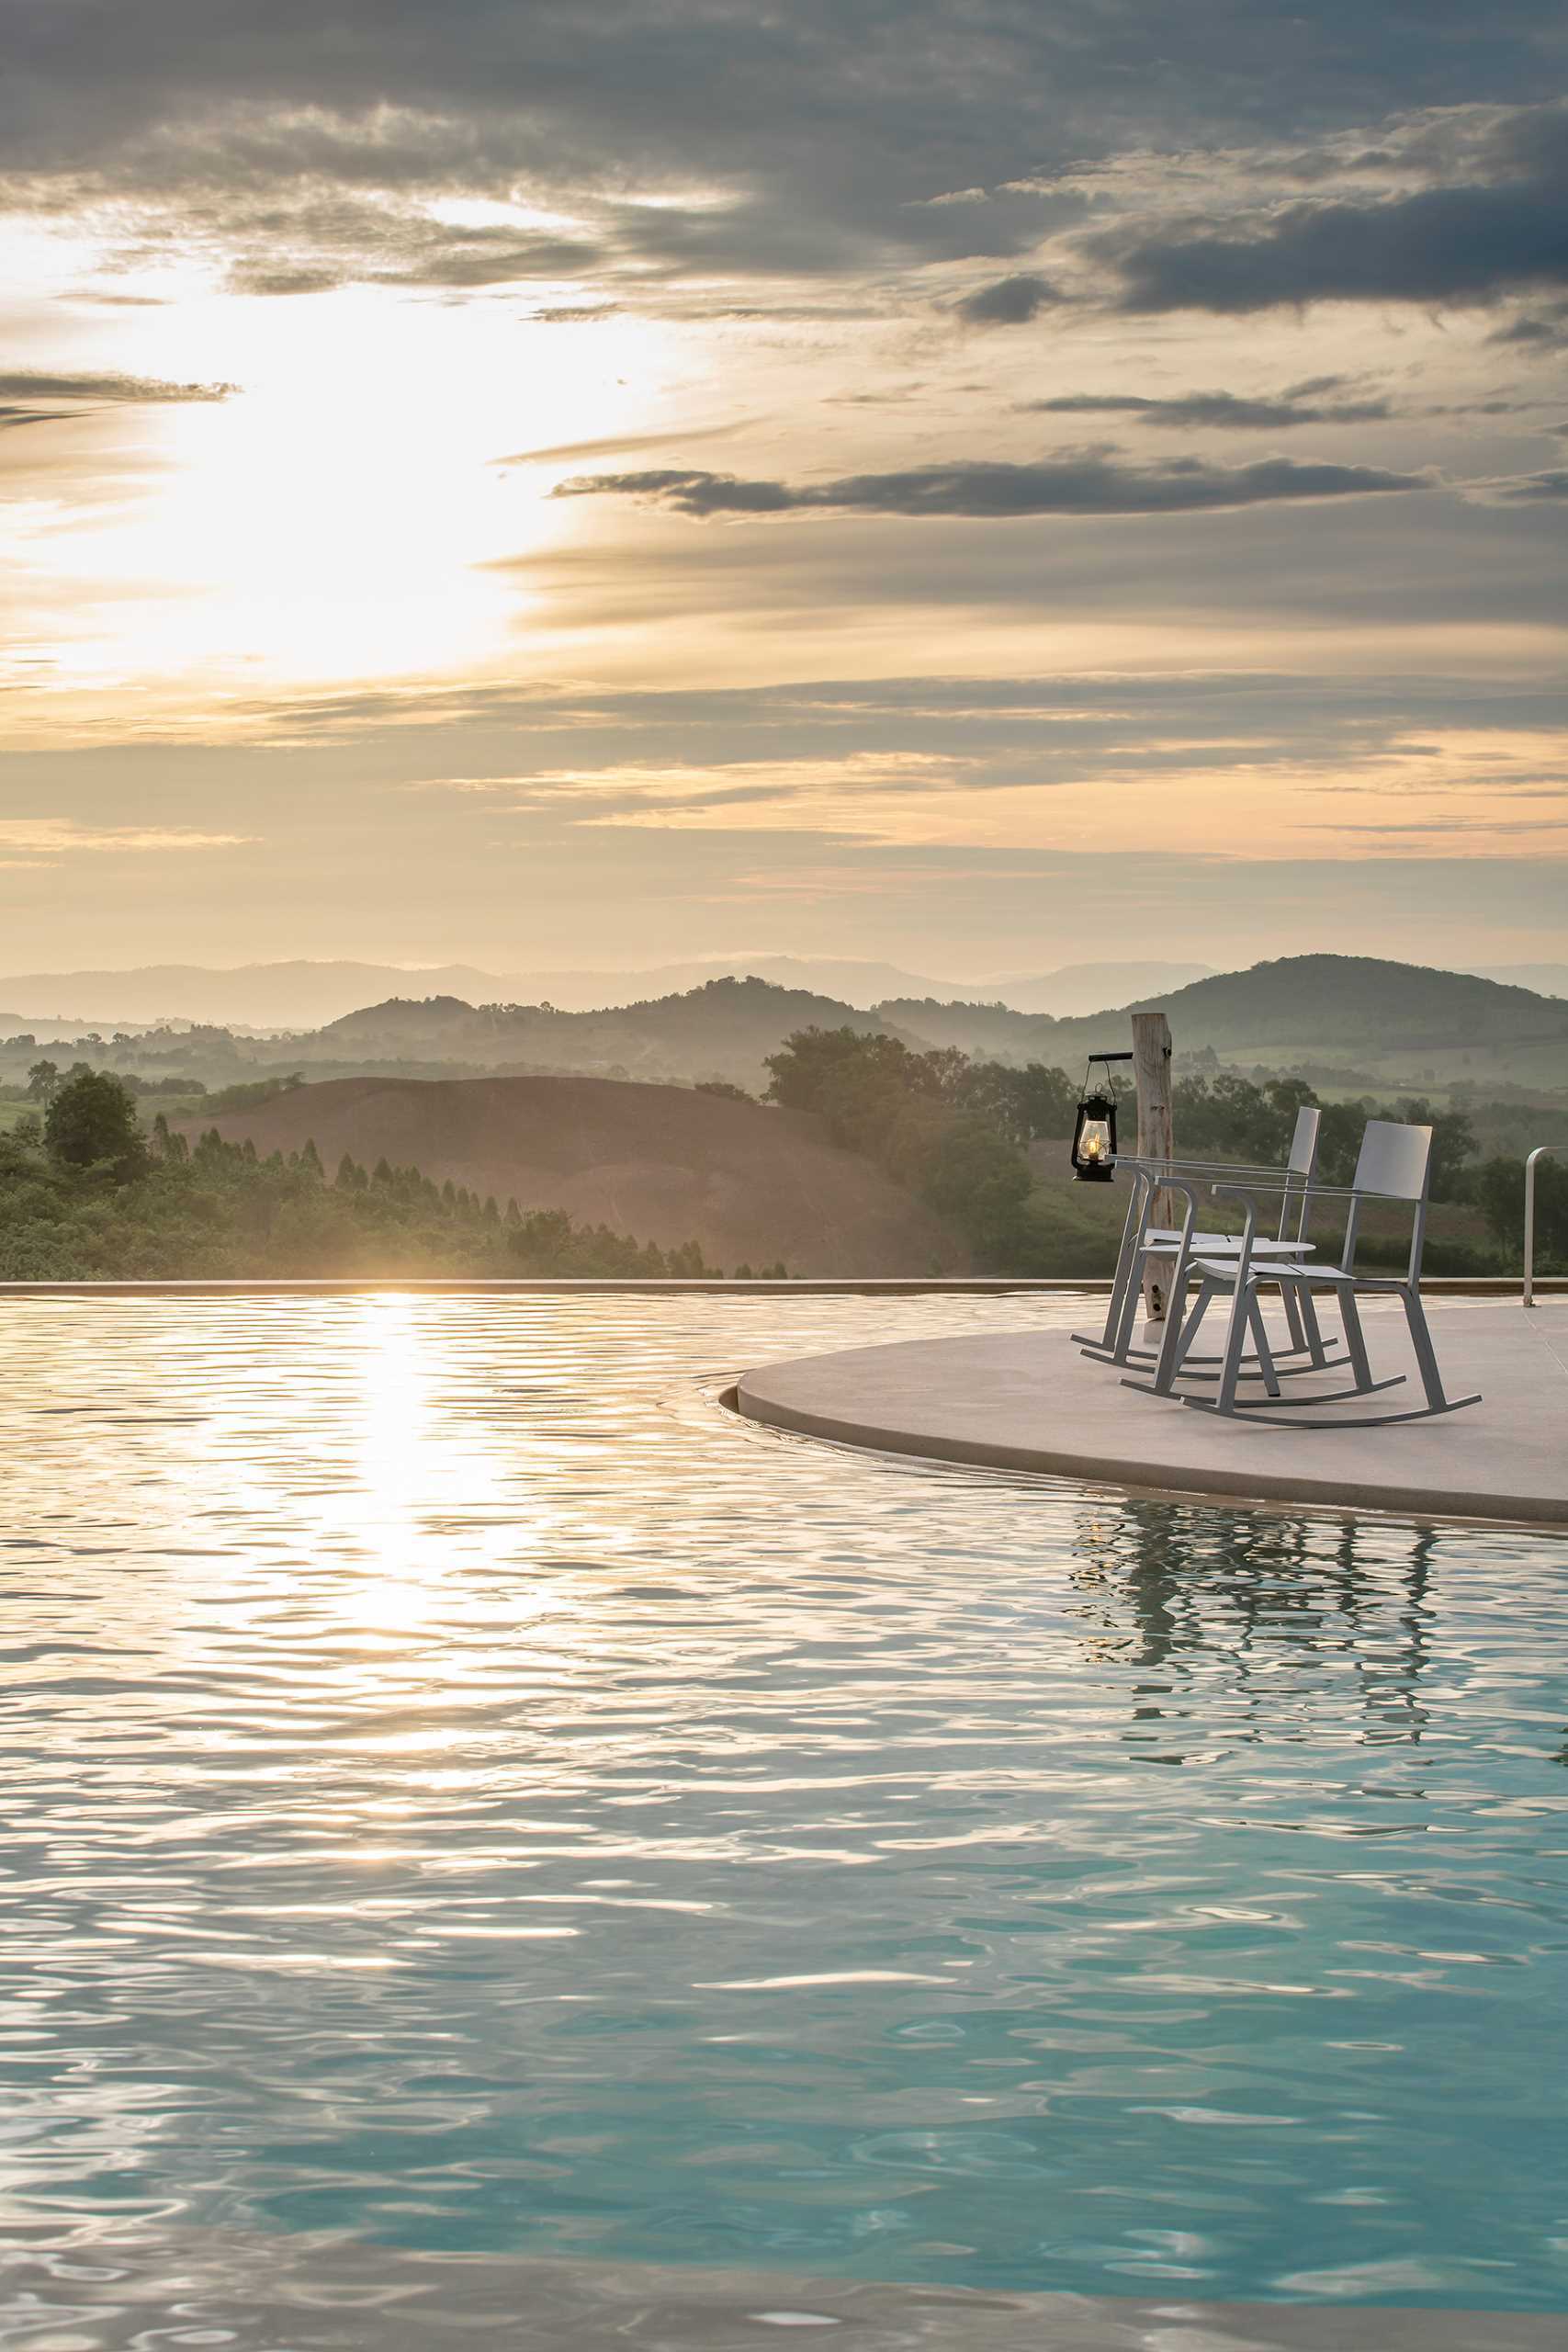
<point>1177,1593</point>
<point>1395,1674</point>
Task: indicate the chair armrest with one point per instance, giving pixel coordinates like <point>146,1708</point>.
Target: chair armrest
<point>1298,1191</point>
<point>1149,1165</point>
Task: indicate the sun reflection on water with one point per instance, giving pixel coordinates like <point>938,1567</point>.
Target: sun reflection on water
<point>464,1789</point>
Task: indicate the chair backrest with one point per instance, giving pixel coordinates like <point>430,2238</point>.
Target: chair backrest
<point>1302,1164</point>
<point>1394,1159</point>
<point>1303,1142</point>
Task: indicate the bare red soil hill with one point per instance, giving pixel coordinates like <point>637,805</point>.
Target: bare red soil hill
<point>661,1162</point>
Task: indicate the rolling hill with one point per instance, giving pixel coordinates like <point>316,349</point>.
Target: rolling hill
<point>660,1162</point>
<point>724,1029</point>
<point>1403,1023</point>
<point>1397,1025</point>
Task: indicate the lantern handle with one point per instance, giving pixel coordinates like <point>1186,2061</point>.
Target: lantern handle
<point>1106,1058</point>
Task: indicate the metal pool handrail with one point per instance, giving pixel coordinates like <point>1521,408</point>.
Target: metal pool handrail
<point>1530,1218</point>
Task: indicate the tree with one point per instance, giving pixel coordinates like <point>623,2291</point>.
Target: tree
<point>1025,1103</point>
<point>1453,1143</point>
<point>43,1080</point>
<point>1500,1188</point>
<point>948,1128</point>
<point>1229,1117</point>
<point>91,1123</point>
<point>856,1080</point>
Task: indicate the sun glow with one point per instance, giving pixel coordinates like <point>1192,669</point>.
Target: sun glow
<point>339,516</point>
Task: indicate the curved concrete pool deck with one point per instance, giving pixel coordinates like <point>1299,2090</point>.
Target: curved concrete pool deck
<point>1032,1401</point>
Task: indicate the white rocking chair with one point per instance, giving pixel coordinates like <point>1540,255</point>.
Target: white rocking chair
<point>1393,1165</point>
<point>1143,1242</point>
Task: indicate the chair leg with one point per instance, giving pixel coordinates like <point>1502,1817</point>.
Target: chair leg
<point>1190,1330</point>
<point>1315,1348</point>
<point>1235,1337</point>
<point>1131,1233</point>
<point>1292,1318</point>
<point>1126,1322</point>
<point>1355,1341</point>
<point>1260,1340</point>
<point>1425,1355</point>
<point>1181,1328</point>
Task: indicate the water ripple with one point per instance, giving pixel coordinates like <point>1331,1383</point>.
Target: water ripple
<point>464,1789</point>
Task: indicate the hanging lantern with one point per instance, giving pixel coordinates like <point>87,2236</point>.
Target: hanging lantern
<point>1094,1133</point>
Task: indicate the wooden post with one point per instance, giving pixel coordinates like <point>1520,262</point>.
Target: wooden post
<point>1151,1073</point>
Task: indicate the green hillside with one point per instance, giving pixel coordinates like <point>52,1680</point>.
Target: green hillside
<point>1396,1024</point>
<point>724,1029</point>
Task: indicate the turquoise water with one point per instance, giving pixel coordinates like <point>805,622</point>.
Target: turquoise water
<point>463,1787</point>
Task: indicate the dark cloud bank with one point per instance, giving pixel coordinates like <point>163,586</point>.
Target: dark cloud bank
<point>1499,226</point>
<point>1301,404</point>
<point>845,133</point>
<point>29,384</point>
<point>27,395</point>
<point>992,489</point>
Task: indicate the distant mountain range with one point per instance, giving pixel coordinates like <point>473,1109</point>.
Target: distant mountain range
<point>1400,1025</point>
<point>1351,1020</point>
<point>305,995</point>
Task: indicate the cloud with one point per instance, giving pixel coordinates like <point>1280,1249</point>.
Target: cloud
<point>13,419</point>
<point>1528,488</point>
<point>1466,242</point>
<point>283,277</point>
<point>838,138</point>
<point>993,489</point>
<point>899,760</point>
<point>1542,330</point>
<point>832,791</point>
<point>563,451</point>
<point>1225,409</point>
<point>1106,715</point>
<point>30,384</point>
<point>1009,302</point>
<point>52,836</point>
<point>383,246</point>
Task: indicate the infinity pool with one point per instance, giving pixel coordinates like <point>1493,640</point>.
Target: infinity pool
<point>464,1789</point>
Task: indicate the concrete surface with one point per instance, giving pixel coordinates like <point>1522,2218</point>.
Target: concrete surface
<point>1033,1401</point>
<point>250,2293</point>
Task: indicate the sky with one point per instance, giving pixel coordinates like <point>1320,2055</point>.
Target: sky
<point>987,483</point>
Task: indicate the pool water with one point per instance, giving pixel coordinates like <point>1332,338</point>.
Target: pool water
<point>464,1788</point>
